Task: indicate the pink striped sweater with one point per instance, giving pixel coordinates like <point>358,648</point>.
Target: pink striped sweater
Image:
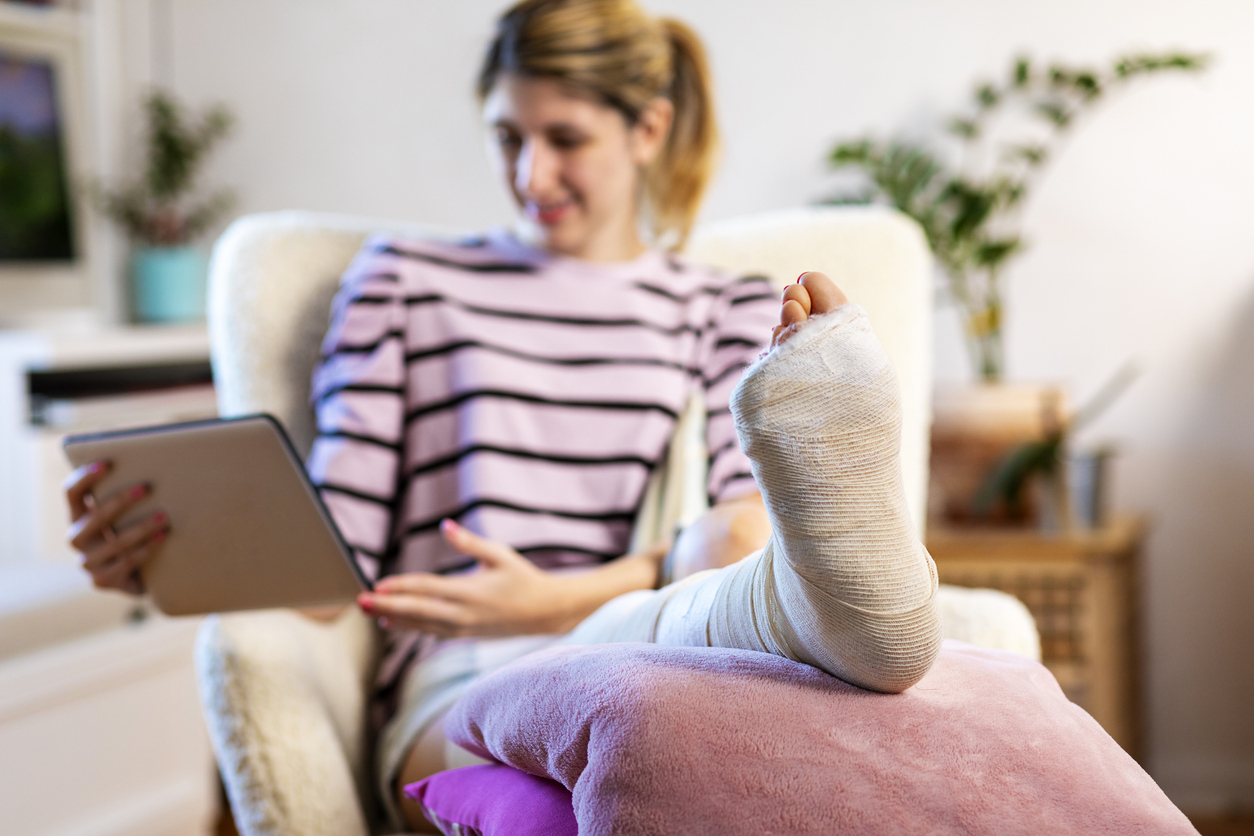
<point>527,396</point>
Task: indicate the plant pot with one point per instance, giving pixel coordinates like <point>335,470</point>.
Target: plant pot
<point>973,427</point>
<point>168,284</point>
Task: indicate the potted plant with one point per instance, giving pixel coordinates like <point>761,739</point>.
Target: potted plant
<point>967,196</point>
<point>161,214</point>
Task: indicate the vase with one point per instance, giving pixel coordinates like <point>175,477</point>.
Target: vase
<point>168,284</point>
<point>973,428</point>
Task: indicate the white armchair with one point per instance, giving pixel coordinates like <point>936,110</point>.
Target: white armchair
<point>285,696</point>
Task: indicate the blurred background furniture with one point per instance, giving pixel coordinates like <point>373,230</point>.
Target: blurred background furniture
<point>100,725</point>
<point>284,696</point>
<point>1082,588</point>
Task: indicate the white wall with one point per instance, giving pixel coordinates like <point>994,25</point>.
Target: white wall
<point>1142,240</point>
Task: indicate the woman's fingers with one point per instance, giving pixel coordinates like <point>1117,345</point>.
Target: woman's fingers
<point>488,552</point>
<point>421,612</point>
<point>154,528</point>
<point>79,483</point>
<point>418,583</point>
<point>120,573</point>
<point>91,525</point>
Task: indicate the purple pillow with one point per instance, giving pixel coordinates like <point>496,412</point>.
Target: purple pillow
<point>495,800</point>
<point>664,740</point>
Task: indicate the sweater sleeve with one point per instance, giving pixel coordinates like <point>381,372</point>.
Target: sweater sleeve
<point>741,321</point>
<point>358,396</point>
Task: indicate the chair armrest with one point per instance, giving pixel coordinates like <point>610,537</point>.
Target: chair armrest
<point>285,699</point>
<point>988,618</point>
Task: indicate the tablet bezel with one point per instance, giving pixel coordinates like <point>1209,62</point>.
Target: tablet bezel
<point>311,491</point>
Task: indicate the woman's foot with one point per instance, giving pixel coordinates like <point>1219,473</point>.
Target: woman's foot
<point>844,584</point>
<point>812,294</point>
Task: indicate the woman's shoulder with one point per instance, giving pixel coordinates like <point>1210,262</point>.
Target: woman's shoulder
<point>468,253</point>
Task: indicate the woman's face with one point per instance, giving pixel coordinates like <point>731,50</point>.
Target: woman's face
<point>573,165</point>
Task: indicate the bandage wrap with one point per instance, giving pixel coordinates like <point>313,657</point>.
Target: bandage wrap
<point>844,584</point>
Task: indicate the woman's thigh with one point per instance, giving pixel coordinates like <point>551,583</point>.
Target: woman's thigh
<point>425,758</point>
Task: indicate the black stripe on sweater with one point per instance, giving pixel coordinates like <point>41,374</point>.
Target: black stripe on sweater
<point>483,267</point>
<point>487,502</point>
<point>462,397</point>
<point>514,452</point>
<point>448,348</point>
<point>394,446</point>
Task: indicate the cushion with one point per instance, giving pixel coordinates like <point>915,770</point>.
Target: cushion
<point>494,800</point>
<point>662,740</point>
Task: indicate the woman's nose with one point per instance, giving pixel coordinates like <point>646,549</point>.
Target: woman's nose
<point>537,168</point>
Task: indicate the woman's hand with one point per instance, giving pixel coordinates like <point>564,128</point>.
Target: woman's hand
<point>111,557</point>
<point>507,596</point>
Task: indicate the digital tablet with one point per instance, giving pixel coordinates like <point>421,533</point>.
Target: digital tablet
<point>248,529</point>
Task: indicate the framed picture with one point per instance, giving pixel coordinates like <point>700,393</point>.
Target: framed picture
<point>46,251</point>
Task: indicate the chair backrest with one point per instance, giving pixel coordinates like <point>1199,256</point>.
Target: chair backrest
<point>273,275</point>
<point>880,258</point>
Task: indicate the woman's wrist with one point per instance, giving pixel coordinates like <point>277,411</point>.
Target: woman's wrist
<point>582,594</point>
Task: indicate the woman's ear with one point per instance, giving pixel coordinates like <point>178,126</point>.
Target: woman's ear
<point>649,134</point>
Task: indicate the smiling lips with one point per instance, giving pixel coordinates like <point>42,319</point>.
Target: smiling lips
<point>549,214</point>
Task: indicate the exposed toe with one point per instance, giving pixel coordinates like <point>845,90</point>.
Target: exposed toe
<point>823,292</point>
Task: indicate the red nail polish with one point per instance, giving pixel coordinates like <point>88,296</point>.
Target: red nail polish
<point>138,491</point>
<point>160,535</point>
<point>160,517</point>
<point>802,276</point>
<point>448,525</point>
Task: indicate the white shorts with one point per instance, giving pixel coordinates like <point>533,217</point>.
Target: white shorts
<point>429,689</point>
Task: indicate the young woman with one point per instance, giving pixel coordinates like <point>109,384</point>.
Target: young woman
<point>489,410</point>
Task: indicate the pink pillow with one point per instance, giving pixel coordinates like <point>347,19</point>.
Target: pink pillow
<point>663,740</point>
<point>495,800</point>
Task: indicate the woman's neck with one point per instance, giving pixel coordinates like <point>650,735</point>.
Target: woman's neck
<point>605,246</point>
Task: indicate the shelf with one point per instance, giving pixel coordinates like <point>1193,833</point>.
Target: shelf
<point>1117,537</point>
<point>55,20</point>
<point>138,345</point>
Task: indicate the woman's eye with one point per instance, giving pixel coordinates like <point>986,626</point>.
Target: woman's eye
<point>508,139</point>
<point>566,142</point>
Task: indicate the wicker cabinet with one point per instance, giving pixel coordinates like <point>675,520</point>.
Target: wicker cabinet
<point>1081,587</point>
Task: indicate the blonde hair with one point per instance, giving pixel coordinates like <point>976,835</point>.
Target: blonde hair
<point>614,52</point>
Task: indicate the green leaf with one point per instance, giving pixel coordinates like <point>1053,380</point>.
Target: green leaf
<point>852,153</point>
<point>986,96</point>
<point>965,128</point>
<point>1033,154</point>
<point>993,252</point>
<point>1022,72</point>
<point>1054,111</point>
<point>1007,479</point>
<point>1087,85</point>
<point>971,206</point>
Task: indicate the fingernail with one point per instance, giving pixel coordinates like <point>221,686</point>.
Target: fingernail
<point>802,276</point>
<point>95,467</point>
<point>160,517</point>
<point>448,525</point>
<point>138,491</point>
<point>384,623</point>
<point>160,535</point>
<point>366,602</point>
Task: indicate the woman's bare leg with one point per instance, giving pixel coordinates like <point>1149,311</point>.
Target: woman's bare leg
<point>844,584</point>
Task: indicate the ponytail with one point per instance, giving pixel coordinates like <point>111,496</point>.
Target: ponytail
<point>613,51</point>
<point>677,180</point>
